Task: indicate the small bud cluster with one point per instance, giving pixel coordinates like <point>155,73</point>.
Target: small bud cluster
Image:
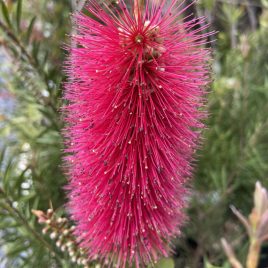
<point>61,232</point>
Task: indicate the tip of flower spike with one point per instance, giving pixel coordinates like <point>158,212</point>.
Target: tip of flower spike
<point>139,38</point>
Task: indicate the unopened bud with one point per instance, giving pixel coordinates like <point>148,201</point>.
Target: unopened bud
<point>66,232</point>
<point>69,244</point>
<point>61,237</point>
<point>45,230</point>
<point>71,253</point>
<point>59,220</point>
<point>84,262</point>
<point>49,212</point>
<point>53,235</point>
<point>79,261</point>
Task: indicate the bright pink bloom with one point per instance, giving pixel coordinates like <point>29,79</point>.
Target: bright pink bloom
<point>135,90</point>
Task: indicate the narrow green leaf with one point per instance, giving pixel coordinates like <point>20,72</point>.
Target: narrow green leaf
<point>36,47</point>
<point>30,29</point>
<point>18,15</point>
<point>5,178</point>
<point>5,13</point>
<point>2,155</point>
<point>45,58</point>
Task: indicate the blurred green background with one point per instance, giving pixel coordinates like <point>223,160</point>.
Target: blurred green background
<point>233,157</point>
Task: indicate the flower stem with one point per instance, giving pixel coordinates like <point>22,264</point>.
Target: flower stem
<point>254,253</point>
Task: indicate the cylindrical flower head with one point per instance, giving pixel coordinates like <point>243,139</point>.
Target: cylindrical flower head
<point>136,91</point>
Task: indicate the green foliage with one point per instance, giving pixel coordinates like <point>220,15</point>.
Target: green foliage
<point>6,13</point>
<point>233,155</point>
<point>31,166</point>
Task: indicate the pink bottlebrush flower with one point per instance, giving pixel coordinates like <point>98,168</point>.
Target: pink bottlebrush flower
<point>136,86</point>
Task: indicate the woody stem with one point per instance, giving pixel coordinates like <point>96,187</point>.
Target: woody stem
<point>254,254</point>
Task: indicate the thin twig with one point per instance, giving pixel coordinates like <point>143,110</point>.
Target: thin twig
<point>230,254</point>
<point>8,205</point>
<point>242,219</point>
<point>17,43</point>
